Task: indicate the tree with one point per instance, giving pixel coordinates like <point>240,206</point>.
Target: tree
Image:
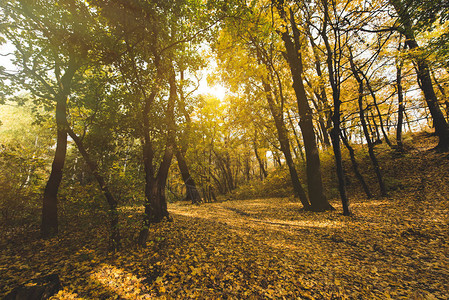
<point>256,54</point>
<point>334,68</point>
<point>192,193</point>
<point>158,38</point>
<point>294,49</point>
<point>37,47</point>
<point>53,50</point>
<point>404,13</point>
<point>361,92</point>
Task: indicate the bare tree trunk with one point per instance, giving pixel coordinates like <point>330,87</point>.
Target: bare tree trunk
<point>49,225</point>
<point>295,134</point>
<point>263,172</point>
<point>334,79</point>
<point>192,193</point>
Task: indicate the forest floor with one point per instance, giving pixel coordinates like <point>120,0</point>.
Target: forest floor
<point>393,247</point>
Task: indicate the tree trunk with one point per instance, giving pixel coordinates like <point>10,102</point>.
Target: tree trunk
<point>49,222</point>
<point>322,128</point>
<point>157,193</point>
<point>317,198</point>
<point>335,138</point>
<point>443,94</point>
<point>285,146</point>
<point>365,129</point>
<point>263,172</point>
<point>355,167</point>
<point>321,95</point>
<point>155,201</point>
<point>247,168</point>
<point>49,225</point>
<point>295,134</point>
<point>376,132</point>
<point>192,193</point>
<point>148,156</point>
<point>373,95</point>
<point>335,117</point>
<point>401,106</point>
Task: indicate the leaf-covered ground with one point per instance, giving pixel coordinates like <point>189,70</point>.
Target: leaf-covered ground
<point>395,247</point>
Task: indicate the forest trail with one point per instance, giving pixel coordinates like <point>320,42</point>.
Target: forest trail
<point>394,247</point>
<point>391,247</point>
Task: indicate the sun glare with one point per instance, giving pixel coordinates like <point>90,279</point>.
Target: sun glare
<point>216,90</point>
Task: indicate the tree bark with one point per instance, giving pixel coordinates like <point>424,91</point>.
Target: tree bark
<point>49,225</point>
<point>49,221</point>
<point>317,198</point>
<point>263,172</point>
<point>401,107</point>
<point>285,146</point>
<point>335,116</point>
<point>192,193</point>
<point>443,94</point>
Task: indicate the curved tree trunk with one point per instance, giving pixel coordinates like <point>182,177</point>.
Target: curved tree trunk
<point>49,222</point>
<point>49,225</point>
<point>192,193</point>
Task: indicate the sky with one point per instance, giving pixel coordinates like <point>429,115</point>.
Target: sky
<point>216,90</point>
<point>5,61</point>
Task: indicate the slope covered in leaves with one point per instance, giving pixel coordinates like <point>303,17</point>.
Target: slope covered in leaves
<point>394,247</point>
